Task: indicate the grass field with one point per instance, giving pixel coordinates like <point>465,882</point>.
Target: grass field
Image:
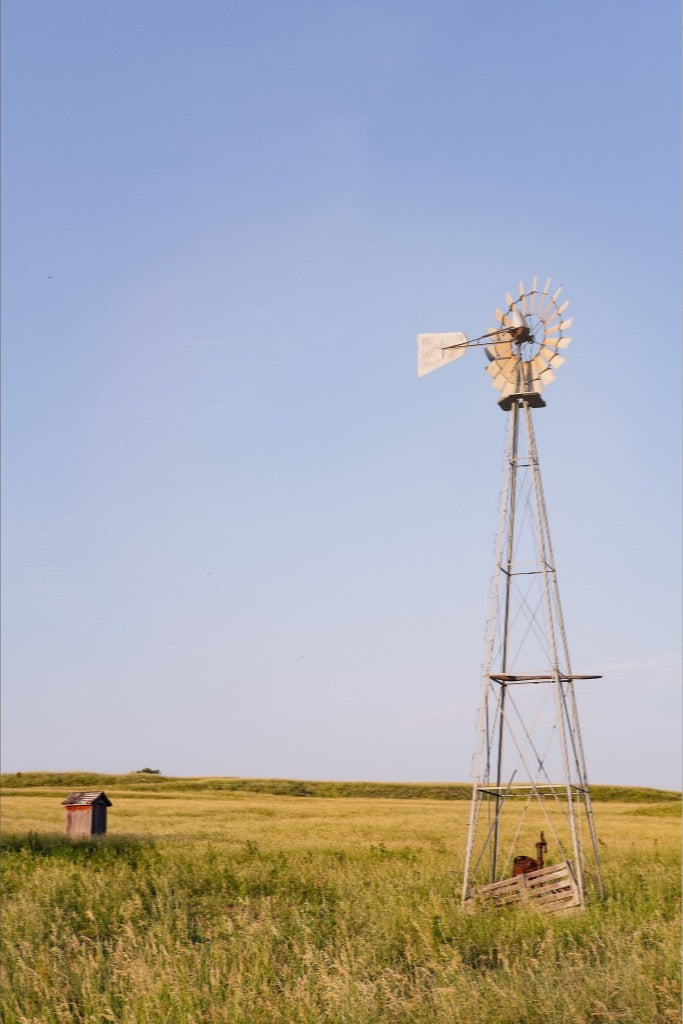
<point>210,904</point>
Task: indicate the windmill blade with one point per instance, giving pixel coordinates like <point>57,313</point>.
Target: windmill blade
<point>435,350</point>
<point>565,305</point>
<point>505,369</point>
<point>508,367</point>
<point>533,295</point>
<point>557,361</point>
<point>564,342</point>
<point>544,313</point>
<point>534,299</point>
<point>563,325</point>
<point>546,286</point>
<point>498,334</point>
<point>547,377</point>
<point>510,301</point>
<point>500,383</point>
<point>493,368</point>
<point>517,320</point>
<point>496,376</point>
<point>548,351</point>
<point>522,298</point>
<point>544,310</point>
<point>499,349</point>
<point>536,367</point>
<point>503,349</point>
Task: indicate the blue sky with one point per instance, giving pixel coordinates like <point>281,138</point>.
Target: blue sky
<point>240,536</point>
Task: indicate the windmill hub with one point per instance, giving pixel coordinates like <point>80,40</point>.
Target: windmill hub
<point>521,333</point>
<point>524,338</point>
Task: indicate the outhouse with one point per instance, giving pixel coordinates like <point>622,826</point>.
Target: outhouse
<point>86,813</point>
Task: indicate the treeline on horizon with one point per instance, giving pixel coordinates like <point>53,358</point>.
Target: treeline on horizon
<point>150,783</point>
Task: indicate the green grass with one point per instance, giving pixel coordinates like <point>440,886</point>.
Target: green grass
<point>292,787</point>
<point>208,906</point>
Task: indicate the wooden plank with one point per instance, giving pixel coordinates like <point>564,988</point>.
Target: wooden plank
<point>508,890</point>
<point>557,896</point>
<point>567,901</point>
<point>558,876</point>
<point>560,909</point>
<point>562,865</point>
<point>505,883</point>
<point>506,901</point>
<point>554,897</point>
<point>557,883</point>
<point>553,894</point>
<point>550,870</point>
<point>543,895</point>
<point>563,904</point>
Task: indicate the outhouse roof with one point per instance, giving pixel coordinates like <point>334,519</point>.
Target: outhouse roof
<point>84,798</point>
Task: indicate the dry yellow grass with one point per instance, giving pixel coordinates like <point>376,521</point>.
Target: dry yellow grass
<point>235,908</point>
<point>284,822</point>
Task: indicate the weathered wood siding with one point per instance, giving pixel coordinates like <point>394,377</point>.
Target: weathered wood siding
<point>78,821</point>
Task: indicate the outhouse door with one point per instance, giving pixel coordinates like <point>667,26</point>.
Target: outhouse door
<point>99,818</point>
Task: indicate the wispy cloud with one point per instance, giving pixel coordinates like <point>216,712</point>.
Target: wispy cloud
<point>656,663</point>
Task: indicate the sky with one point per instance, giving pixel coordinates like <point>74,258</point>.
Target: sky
<point>239,536</point>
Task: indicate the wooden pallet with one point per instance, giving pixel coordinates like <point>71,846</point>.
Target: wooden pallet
<point>548,889</point>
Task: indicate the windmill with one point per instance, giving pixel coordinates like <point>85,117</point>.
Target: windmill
<point>529,769</point>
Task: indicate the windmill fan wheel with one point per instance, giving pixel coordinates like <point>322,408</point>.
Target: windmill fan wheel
<point>529,340</point>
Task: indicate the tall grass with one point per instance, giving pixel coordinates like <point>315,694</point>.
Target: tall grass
<point>272,910</point>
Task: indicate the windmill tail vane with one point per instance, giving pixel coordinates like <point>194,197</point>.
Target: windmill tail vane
<point>529,774</point>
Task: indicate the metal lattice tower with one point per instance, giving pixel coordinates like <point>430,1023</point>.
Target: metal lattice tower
<point>529,770</point>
